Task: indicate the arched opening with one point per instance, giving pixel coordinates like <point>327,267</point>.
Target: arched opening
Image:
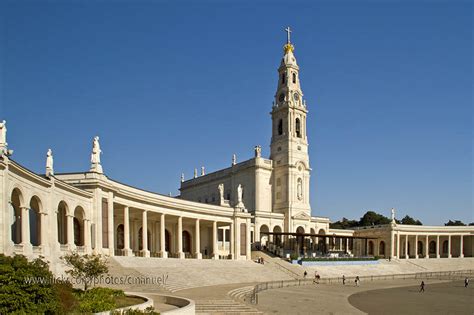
<point>420,248</point>
<point>294,78</point>
<point>62,223</point>
<point>314,241</point>
<point>167,241</point>
<point>79,226</point>
<point>264,235</point>
<point>140,239</point>
<point>186,242</point>
<point>322,241</point>
<point>120,235</point>
<point>283,78</point>
<point>300,240</point>
<point>277,238</point>
<point>445,247</point>
<point>371,248</point>
<point>432,248</point>
<point>16,203</point>
<point>280,127</point>
<point>298,127</point>
<point>382,248</point>
<point>35,221</point>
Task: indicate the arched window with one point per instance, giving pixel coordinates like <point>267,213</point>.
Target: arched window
<point>298,128</point>
<point>445,247</point>
<point>294,78</point>
<point>186,242</point>
<point>432,248</point>
<point>280,127</point>
<point>282,78</point>
<point>371,248</point>
<point>120,236</point>
<point>382,248</point>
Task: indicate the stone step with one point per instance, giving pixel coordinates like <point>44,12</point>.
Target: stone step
<point>223,307</point>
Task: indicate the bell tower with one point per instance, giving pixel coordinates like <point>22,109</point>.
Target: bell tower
<point>289,144</point>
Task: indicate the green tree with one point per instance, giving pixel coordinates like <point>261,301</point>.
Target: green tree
<point>373,218</point>
<point>454,223</point>
<point>86,268</point>
<point>27,287</point>
<point>344,223</point>
<point>410,221</point>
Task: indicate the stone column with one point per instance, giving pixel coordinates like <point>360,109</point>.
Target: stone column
<point>197,241</point>
<point>126,232</point>
<point>215,255</point>
<point>398,245</point>
<point>437,246</point>
<point>70,231</point>
<point>416,246</point>
<point>247,245</point>
<point>237,239</point>
<point>232,241</point>
<point>145,251</point>
<point>461,245</point>
<point>110,223</point>
<point>427,247</point>
<point>449,246</point>
<point>44,232</point>
<point>392,244</point>
<point>406,246</point>
<point>87,235</point>
<point>180,238</point>
<point>25,227</point>
<point>347,245</point>
<point>163,252</point>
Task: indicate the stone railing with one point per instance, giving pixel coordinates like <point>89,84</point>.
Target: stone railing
<point>252,296</point>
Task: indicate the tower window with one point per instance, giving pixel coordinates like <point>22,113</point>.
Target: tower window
<point>280,127</point>
<point>298,128</point>
<point>294,78</point>
<point>282,78</point>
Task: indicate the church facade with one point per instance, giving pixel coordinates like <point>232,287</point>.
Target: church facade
<point>220,215</point>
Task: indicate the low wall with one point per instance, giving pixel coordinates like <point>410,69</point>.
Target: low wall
<point>148,302</point>
<point>338,262</point>
<point>186,306</point>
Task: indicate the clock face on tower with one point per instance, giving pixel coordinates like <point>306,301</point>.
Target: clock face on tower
<point>296,96</point>
<point>282,97</point>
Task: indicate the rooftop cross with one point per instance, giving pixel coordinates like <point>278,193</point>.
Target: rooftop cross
<point>288,34</point>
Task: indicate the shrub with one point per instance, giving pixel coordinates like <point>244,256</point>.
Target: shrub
<point>97,300</point>
<point>85,267</point>
<point>27,287</point>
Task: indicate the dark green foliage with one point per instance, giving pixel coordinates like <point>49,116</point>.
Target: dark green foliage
<point>372,218</point>
<point>410,221</point>
<point>454,223</point>
<point>27,287</point>
<point>471,224</point>
<point>85,268</point>
<point>97,300</point>
<point>344,224</point>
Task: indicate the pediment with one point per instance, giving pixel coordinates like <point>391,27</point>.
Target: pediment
<point>302,216</point>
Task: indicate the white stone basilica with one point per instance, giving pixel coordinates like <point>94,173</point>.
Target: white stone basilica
<point>220,215</point>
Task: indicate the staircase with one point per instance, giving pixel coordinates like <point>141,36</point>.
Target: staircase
<point>293,271</point>
<point>224,307</point>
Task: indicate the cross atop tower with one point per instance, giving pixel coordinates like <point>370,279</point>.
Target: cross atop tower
<point>288,34</point>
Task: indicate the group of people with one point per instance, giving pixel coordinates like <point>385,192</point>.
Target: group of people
<point>317,277</point>
<point>260,260</point>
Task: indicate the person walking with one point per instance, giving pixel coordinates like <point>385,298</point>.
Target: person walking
<point>357,281</point>
<point>466,282</point>
<point>305,274</point>
<point>343,280</point>
<point>422,286</point>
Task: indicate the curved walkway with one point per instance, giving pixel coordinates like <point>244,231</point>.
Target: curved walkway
<point>323,298</point>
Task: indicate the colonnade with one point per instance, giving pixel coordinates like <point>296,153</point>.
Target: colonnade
<point>409,245</point>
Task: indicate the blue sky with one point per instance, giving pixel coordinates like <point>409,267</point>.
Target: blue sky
<point>171,86</point>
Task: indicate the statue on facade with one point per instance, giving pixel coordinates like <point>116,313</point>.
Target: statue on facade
<point>393,214</point>
<point>3,137</point>
<point>258,151</point>
<point>234,159</point>
<point>221,192</point>
<point>195,173</point>
<point>49,163</point>
<point>182,177</point>
<point>95,156</point>
<point>299,189</point>
<point>203,171</point>
<point>240,192</point>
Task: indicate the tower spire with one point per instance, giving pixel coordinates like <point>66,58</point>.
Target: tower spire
<point>288,46</point>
